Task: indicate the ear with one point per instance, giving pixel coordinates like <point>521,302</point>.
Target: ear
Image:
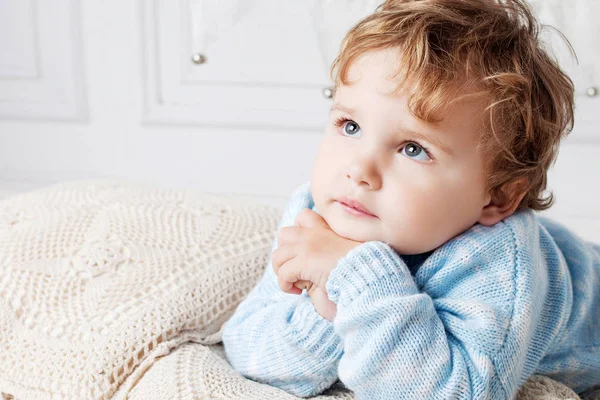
<point>501,207</point>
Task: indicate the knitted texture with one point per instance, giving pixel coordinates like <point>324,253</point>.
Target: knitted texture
<point>474,319</point>
<point>99,279</point>
<point>114,290</point>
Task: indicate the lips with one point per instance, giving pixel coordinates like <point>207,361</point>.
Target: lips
<point>357,205</point>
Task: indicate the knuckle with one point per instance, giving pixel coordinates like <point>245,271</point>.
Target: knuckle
<point>282,234</point>
<point>281,274</point>
<point>303,215</point>
<point>283,284</point>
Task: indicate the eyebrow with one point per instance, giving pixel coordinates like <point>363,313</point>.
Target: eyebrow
<point>339,107</point>
<point>436,142</point>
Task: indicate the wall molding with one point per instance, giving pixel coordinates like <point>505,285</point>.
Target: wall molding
<point>55,93</point>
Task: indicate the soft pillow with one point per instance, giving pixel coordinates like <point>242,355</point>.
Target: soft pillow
<point>98,279</point>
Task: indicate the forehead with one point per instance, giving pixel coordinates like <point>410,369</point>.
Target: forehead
<point>372,80</point>
<point>378,70</point>
<point>375,76</point>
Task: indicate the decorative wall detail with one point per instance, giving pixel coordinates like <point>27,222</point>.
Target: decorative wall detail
<point>577,20</point>
<point>41,73</point>
<point>244,63</point>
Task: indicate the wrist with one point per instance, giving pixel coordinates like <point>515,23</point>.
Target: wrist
<point>372,266</point>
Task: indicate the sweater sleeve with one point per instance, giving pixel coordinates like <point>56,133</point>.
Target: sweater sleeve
<point>279,338</point>
<point>460,329</point>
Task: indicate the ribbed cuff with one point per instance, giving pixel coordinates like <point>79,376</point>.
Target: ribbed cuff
<point>315,333</point>
<point>374,267</point>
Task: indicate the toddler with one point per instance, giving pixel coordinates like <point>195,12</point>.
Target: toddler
<point>413,264</point>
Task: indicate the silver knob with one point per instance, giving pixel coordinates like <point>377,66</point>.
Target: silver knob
<point>198,58</point>
<point>592,91</point>
<point>328,93</point>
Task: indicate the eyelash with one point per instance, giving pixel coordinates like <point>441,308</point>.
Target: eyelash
<point>342,120</point>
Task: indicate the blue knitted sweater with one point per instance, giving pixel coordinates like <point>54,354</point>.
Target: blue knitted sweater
<point>471,320</point>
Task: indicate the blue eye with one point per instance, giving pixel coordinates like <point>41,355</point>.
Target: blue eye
<point>350,128</point>
<point>416,152</point>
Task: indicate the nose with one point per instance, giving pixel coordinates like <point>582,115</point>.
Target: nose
<point>363,171</point>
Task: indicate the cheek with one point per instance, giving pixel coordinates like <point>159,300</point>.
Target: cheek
<point>466,187</point>
<point>328,160</point>
<point>418,228</point>
<point>423,216</point>
<point>323,175</point>
<point>411,208</point>
<point>449,208</point>
<point>454,201</point>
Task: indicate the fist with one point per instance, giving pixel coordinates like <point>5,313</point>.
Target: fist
<point>307,252</point>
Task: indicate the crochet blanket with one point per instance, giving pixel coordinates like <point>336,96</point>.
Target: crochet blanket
<point>115,290</point>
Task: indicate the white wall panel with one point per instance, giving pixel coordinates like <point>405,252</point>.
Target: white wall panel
<point>41,75</point>
<point>267,61</point>
<point>577,20</point>
<point>575,182</point>
<point>18,40</point>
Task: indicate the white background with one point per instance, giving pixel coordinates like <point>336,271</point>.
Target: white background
<point>93,89</point>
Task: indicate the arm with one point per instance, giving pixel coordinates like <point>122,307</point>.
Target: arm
<point>468,325</point>
<point>278,338</point>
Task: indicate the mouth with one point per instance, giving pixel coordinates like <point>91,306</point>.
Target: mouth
<point>355,208</point>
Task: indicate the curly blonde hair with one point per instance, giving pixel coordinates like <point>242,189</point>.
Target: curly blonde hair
<point>493,44</point>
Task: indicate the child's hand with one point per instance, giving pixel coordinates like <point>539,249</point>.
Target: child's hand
<point>308,251</point>
<point>325,307</point>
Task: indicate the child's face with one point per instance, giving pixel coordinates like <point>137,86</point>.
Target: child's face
<point>423,188</point>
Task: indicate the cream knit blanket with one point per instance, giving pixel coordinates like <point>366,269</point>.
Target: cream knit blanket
<point>113,290</point>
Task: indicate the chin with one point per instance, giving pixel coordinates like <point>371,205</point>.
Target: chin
<point>346,230</point>
<point>343,225</point>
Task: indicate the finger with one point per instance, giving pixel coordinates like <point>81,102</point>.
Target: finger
<point>289,272</point>
<point>304,285</point>
<point>307,218</point>
<point>288,235</point>
<point>281,255</point>
<point>287,287</point>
